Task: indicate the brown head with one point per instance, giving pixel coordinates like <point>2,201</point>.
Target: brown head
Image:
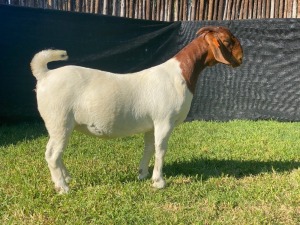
<point>223,46</point>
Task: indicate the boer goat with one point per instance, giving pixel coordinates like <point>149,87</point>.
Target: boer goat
<point>108,105</point>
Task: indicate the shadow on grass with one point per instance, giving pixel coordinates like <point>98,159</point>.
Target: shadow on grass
<point>207,168</point>
<point>203,169</point>
<point>12,134</point>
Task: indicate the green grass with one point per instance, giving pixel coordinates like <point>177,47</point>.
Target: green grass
<point>238,172</point>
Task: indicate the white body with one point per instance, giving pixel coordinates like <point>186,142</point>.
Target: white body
<point>109,105</point>
<point>114,105</point>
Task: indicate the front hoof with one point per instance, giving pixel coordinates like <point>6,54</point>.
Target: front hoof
<point>159,184</point>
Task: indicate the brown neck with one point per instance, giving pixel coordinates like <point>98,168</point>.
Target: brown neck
<point>193,59</point>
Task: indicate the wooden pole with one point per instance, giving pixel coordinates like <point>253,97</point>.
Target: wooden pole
<point>114,8</point>
<point>220,10</point>
<point>294,10</point>
<point>281,6</point>
<point>184,10</point>
<point>285,8</point>
<point>298,14</point>
<point>210,10</point>
<point>144,9</point>
<point>225,10</point>
<point>105,7</point>
<point>140,5</point>
<point>127,3</point>
<point>131,5</point>
<point>229,8</point>
<point>263,8</point>
<point>162,8</point>
<point>246,9</point>
<point>153,10</point>
<point>197,10</point>
<point>276,9</point>
<point>78,6</point>
<point>180,10</point>
<point>169,18</point>
<point>237,9</point>
<point>255,9</point>
<point>268,5</point>
<point>288,9</point>
<point>215,13</point>
<point>193,7</point>
<point>272,9</point>
<point>148,10</point>
<point>233,12</point>
<point>92,10</point>
<point>176,10</point>
<point>122,8</point>
<point>259,9</point>
<point>240,16</point>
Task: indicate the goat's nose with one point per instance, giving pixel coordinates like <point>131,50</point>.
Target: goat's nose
<point>241,60</point>
<point>237,62</point>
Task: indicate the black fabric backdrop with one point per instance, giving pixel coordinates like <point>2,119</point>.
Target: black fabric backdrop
<point>266,86</point>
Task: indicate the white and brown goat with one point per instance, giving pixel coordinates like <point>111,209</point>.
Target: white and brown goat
<point>109,105</point>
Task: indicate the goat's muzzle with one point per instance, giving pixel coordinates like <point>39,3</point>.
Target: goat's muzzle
<point>235,56</point>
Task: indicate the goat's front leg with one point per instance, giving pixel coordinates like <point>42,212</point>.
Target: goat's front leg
<point>148,153</point>
<point>162,134</point>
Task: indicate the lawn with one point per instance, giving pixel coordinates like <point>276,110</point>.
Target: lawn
<point>238,172</point>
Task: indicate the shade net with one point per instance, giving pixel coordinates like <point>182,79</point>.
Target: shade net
<point>266,86</point>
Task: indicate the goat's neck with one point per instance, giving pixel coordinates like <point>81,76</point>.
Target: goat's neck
<point>193,59</point>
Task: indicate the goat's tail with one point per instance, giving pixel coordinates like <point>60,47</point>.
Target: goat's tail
<point>41,59</point>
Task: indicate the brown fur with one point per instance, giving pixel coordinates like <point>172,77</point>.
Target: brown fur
<point>212,45</point>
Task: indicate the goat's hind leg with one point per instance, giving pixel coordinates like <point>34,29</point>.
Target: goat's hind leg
<point>54,151</point>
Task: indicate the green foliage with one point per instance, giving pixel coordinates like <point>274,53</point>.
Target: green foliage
<point>238,172</point>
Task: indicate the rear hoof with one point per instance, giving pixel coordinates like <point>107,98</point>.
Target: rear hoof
<point>143,175</point>
<point>62,190</point>
<point>68,179</point>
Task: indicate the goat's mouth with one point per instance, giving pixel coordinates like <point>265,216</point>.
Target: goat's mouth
<point>235,63</point>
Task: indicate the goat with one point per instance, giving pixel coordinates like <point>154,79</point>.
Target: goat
<point>152,101</point>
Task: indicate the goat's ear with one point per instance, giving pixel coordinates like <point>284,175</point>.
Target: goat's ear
<point>216,48</point>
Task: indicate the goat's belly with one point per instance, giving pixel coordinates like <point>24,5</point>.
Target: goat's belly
<point>112,130</point>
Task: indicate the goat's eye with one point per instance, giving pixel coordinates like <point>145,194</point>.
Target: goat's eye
<point>227,43</point>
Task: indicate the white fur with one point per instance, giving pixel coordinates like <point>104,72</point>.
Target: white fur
<point>108,105</point>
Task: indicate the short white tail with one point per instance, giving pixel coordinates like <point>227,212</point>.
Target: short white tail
<point>40,60</point>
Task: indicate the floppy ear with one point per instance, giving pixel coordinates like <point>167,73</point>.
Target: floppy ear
<point>216,47</point>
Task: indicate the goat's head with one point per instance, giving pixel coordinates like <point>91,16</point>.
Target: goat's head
<point>223,46</point>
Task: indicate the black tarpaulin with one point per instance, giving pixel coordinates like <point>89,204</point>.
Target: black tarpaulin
<point>266,86</point>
